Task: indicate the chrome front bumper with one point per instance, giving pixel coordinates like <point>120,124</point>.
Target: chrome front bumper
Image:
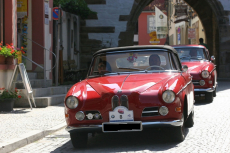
<point>206,90</point>
<point>98,128</point>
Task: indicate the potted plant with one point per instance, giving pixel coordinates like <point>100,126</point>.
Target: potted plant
<point>7,99</point>
<point>8,53</point>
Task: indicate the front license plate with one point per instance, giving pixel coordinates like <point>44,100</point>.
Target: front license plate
<point>121,114</point>
<point>122,126</point>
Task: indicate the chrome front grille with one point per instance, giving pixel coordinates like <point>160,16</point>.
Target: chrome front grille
<point>196,82</point>
<point>124,101</point>
<point>150,111</point>
<point>115,101</point>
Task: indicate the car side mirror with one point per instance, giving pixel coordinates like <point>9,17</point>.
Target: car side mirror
<point>212,58</point>
<point>184,68</point>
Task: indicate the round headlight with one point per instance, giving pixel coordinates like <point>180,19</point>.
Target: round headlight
<point>80,116</point>
<point>202,82</point>
<point>72,102</point>
<point>168,96</point>
<point>163,110</point>
<point>205,74</point>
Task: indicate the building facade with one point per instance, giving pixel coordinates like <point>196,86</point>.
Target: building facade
<point>28,24</point>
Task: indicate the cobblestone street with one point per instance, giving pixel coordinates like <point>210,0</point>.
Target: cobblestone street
<point>210,134</point>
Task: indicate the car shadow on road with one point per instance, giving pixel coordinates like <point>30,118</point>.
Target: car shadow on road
<point>201,103</point>
<point>152,140</point>
<point>222,86</point>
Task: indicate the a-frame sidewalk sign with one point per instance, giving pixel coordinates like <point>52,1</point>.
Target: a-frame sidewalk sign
<point>25,79</point>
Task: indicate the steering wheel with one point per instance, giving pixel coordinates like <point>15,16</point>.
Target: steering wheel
<point>154,66</point>
<point>104,71</point>
<point>185,57</point>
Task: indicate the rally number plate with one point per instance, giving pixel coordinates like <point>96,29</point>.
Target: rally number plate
<point>121,114</point>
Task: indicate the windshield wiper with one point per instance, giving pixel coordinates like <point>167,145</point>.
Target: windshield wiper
<point>130,68</point>
<point>93,76</point>
<point>184,57</point>
<point>196,58</point>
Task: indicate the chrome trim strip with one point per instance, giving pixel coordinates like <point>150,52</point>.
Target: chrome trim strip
<point>124,81</point>
<point>184,86</point>
<point>144,124</point>
<point>150,111</point>
<point>212,71</point>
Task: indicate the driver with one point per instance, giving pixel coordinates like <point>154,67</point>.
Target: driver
<point>154,60</point>
<point>103,67</point>
<point>193,53</point>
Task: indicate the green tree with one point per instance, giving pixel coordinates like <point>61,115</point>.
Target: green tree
<point>78,7</point>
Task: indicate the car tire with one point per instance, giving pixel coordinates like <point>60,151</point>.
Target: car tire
<point>179,132</point>
<point>214,93</point>
<point>190,121</point>
<point>209,97</point>
<point>79,140</point>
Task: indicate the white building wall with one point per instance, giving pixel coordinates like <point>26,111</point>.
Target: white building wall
<point>64,35</point>
<point>108,15</point>
<point>48,43</point>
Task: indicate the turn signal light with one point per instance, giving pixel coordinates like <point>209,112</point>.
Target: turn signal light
<point>66,115</point>
<point>178,109</point>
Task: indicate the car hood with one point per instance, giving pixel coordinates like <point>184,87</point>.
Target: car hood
<point>129,83</point>
<point>195,66</point>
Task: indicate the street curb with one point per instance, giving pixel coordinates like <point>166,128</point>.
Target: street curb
<point>28,138</point>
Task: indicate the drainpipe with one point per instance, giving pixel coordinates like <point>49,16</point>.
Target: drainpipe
<point>58,44</point>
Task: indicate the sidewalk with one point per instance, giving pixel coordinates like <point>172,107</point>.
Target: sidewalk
<point>23,125</point>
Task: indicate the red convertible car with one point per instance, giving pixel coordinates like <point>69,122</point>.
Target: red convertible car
<point>201,67</point>
<point>130,89</point>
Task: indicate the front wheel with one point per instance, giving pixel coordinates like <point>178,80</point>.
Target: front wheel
<point>190,121</point>
<point>209,97</point>
<point>214,93</point>
<point>79,140</point>
<point>179,133</point>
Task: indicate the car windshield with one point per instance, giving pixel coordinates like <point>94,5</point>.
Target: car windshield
<point>186,54</point>
<point>129,61</point>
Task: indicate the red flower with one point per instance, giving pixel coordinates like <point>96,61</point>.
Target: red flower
<point>0,44</point>
<point>0,48</point>
<point>16,90</point>
<point>22,47</point>
<point>11,44</point>
<point>12,51</point>
<point>23,52</point>
<point>8,46</point>
<point>19,96</point>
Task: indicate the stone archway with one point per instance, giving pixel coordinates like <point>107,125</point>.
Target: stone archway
<point>214,19</point>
